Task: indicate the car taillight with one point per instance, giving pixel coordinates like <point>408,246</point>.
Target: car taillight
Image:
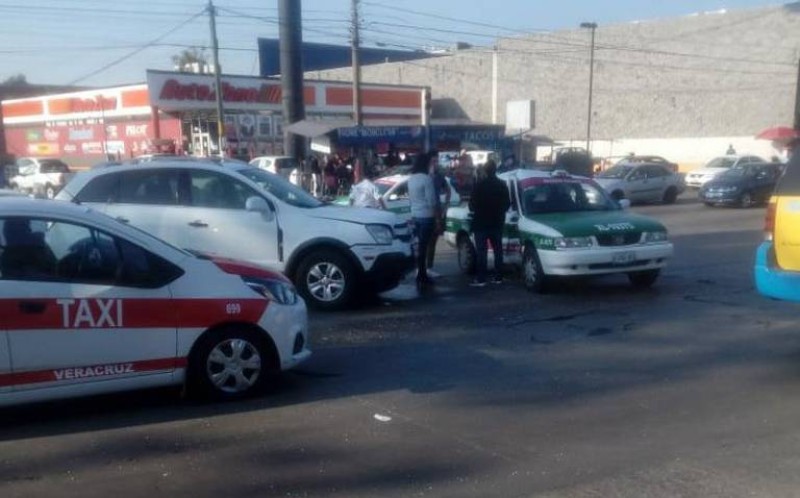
<point>769,219</point>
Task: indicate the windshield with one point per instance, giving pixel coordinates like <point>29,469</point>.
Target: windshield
<point>619,172</point>
<point>280,188</point>
<point>721,162</point>
<point>384,186</point>
<point>564,197</point>
<point>737,172</point>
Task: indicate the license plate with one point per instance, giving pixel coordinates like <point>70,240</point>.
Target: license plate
<point>623,258</point>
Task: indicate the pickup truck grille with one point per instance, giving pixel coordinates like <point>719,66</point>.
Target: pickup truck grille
<point>619,239</point>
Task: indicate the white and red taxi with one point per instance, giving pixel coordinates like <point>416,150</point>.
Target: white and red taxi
<point>89,305</point>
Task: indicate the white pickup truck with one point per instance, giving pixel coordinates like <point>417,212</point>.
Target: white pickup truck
<point>40,176</point>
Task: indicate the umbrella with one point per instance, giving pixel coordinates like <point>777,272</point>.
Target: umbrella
<point>779,134</point>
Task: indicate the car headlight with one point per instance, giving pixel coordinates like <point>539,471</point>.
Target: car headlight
<point>274,290</point>
<point>573,242</point>
<point>381,233</point>
<point>654,237</point>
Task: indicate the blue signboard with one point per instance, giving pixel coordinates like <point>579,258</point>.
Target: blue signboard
<point>370,135</point>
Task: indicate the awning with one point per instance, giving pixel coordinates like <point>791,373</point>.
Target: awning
<point>315,128</point>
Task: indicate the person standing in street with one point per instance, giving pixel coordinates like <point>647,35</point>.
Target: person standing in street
<point>488,204</point>
<point>365,193</point>
<point>422,196</point>
<point>442,188</point>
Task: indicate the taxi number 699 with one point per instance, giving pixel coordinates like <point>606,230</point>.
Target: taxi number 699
<point>233,308</point>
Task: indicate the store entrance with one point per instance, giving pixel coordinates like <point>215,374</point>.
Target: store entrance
<point>202,133</point>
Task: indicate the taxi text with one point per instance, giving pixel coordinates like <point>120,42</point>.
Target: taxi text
<point>93,313</point>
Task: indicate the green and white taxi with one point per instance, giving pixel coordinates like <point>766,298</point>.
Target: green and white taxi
<point>394,192</point>
<point>561,225</point>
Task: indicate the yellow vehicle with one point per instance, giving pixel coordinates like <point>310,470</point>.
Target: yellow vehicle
<point>777,268</point>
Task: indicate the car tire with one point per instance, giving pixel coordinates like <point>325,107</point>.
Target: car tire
<point>50,191</point>
<point>326,279</point>
<point>670,196</point>
<point>466,255</point>
<point>746,200</point>
<point>533,276</point>
<point>618,195</point>
<point>643,279</point>
<point>231,363</point>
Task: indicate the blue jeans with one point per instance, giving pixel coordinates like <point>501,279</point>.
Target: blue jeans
<point>482,252</point>
<point>423,228</point>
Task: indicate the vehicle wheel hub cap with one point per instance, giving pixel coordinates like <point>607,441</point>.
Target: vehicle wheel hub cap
<point>234,365</point>
<point>325,282</point>
<point>530,271</point>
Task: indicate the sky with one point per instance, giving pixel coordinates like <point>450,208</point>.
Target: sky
<point>104,43</point>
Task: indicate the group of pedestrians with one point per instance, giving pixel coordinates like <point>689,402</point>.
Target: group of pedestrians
<point>429,195</point>
<point>488,203</point>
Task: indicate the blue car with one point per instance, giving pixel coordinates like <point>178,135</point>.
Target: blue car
<point>744,185</point>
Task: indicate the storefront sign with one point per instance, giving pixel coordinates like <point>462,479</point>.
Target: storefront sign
<point>263,94</point>
<point>43,149</point>
<point>81,105</point>
<point>480,135</point>
<point>77,134</point>
<point>92,148</point>
<point>366,135</point>
<point>136,130</point>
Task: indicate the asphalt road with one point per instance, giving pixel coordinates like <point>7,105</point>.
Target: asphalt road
<point>690,389</point>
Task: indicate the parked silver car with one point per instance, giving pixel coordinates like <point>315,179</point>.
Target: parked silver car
<point>642,182</point>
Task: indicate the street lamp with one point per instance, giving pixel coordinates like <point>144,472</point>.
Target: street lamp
<point>592,26</point>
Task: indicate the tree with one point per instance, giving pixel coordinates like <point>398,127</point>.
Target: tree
<point>16,80</point>
<point>191,60</point>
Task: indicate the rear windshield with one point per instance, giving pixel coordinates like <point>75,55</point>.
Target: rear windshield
<point>53,166</point>
<point>721,162</point>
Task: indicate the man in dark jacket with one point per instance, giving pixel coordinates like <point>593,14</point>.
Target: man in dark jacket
<point>488,204</point>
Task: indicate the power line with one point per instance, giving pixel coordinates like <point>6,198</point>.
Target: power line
<point>136,51</point>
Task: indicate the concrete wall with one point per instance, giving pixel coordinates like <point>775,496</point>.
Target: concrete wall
<point>678,87</point>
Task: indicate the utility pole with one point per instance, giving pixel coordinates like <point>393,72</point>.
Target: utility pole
<point>212,12</point>
<point>291,41</point>
<point>797,101</point>
<point>592,26</point>
<point>354,45</point>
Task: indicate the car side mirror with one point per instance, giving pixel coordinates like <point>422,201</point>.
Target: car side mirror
<point>624,203</point>
<point>259,205</point>
<point>393,197</point>
<point>513,216</point>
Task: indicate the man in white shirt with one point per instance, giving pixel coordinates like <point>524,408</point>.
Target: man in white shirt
<point>424,210</point>
<point>365,193</point>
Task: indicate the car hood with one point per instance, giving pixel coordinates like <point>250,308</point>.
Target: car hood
<point>724,182</point>
<point>592,223</point>
<point>354,215</point>
<point>707,171</point>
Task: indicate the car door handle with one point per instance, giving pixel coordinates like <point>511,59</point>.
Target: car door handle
<point>32,307</point>
<point>198,224</point>
<point>122,219</point>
